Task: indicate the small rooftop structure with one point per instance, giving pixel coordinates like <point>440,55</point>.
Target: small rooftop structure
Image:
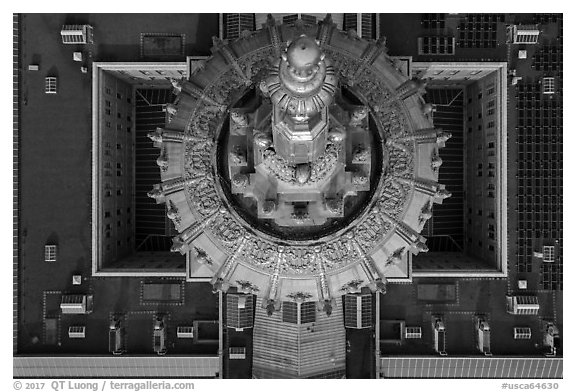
<point>76,34</point>
<point>76,304</point>
<point>524,34</point>
<point>523,304</point>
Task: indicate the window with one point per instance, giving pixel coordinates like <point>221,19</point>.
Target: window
<point>548,254</point>
<point>107,124</point>
<point>490,91</point>
<point>491,112</point>
<point>548,86</point>
<point>50,85</point>
<point>479,96</point>
<point>107,111</point>
<point>490,124</point>
<point>107,214</point>
<point>50,253</point>
<point>119,115</point>
<point>119,192</point>
<point>491,248</point>
<point>107,103</point>
<point>118,146</point>
<point>107,90</point>
<point>118,127</point>
<point>118,95</point>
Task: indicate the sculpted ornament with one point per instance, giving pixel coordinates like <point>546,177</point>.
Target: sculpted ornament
<point>240,180</point>
<point>335,206</point>
<point>239,119</point>
<point>352,287</point>
<point>173,213</point>
<point>299,296</point>
<point>396,257</point>
<point>359,179</point>
<point>361,154</point>
<point>269,207</point>
<point>202,257</point>
<point>247,287</point>
<point>358,115</point>
<point>237,157</point>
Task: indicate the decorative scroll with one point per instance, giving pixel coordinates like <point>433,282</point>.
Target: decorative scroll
<point>372,230</point>
<point>226,230</point>
<point>393,197</point>
<point>339,253</point>
<point>260,253</point>
<point>299,261</point>
<point>401,160</point>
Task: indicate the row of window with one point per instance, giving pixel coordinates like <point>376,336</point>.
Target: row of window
<point>108,91</point>
<point>119,126</point>
<point>118,212</point>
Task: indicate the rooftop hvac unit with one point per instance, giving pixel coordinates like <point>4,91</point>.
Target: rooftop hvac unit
<point>237,353</point>
<point>159,336</point>
<point>76,304</point>
<point>413,333</point>
<point>525,34</point>
<point>439,336</point>
<point>115,337</point>
<point>185,332</point>
<point>76,34</point>
<point>50,250</point>
<point>522,304</point>
<point>77,332</point>
<point>483,338</point>
<point>551,339</point>
<point>522,333</point>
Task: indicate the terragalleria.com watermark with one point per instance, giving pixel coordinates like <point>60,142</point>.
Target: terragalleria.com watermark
<point>103,385</point>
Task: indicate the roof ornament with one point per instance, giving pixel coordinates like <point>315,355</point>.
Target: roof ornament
<point>396,257</point>
<point>220,285</point>
<point>176,85</point>
<point>270,21</point>
<point>328,306</point>
<point>443,194</point>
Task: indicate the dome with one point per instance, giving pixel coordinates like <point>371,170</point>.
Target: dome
<point>303,56</point>
<point>351,216</point>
